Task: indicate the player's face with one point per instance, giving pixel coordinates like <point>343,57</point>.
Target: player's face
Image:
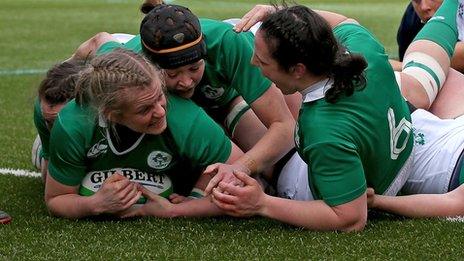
<point>144,111</point>
<point>269,67</point>
<point>50,112</point>
<point>183,80</point>
<point>425,9</point>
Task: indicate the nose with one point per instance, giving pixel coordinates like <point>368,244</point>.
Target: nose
<point>185,81</point>
<point>426,10</point>
<point>159,111</point>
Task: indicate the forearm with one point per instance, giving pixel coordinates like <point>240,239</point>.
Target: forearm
<point>196,208</point>
<point>275,143</point>
<point>72,206</point>
<point>422,205</point>
<point>314,215</point>
<point>334,19</point>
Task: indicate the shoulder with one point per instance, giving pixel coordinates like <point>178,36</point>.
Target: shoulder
<point>216,32</point>
<point>75,121</point>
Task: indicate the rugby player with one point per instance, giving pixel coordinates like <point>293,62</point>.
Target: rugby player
<point>354,128</point>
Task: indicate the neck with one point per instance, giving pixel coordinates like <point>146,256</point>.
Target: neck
<point>309,80</point>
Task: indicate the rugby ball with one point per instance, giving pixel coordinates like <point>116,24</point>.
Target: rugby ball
<point>159,184</point>
<point>36,151</point>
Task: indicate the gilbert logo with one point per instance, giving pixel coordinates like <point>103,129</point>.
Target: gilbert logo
<point>159,159</point>
<point>97,149</point>
<point>212,92</point>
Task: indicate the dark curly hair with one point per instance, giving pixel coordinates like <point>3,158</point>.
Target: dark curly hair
<point>60,82</point>
<point>297,34</point>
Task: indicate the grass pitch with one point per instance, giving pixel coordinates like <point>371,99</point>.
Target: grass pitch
<point>38,33</point>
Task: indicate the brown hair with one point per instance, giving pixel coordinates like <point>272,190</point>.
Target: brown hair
<point>59,84</point>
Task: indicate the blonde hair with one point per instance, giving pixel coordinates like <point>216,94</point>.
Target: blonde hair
<point>105,82</point>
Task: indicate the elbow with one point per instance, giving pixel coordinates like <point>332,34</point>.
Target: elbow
<point>354,223</point>
<point>99,39</point>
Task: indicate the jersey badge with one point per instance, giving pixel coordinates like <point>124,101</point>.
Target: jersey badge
<point>159,159</point>
<point>211,92</point>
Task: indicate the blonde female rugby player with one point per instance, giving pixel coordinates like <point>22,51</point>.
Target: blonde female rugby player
<point>123,128</point>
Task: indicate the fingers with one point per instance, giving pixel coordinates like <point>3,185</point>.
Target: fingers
<point>176,198</point>
<point>130,193</point>
<point>133,200</point>
<point>243,177</point>
<point>148,194</point>
<point>370,192</point>
<point>223,198</point>
<point>131,212</point>
<point>228,208</point>
<point>212,184</point>
<point>211,169</point>
<point>114,177</point>
<point>258,13</point>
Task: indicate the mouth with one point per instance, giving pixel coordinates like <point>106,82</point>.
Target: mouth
<point>157,123</point>
<point>186,90</point>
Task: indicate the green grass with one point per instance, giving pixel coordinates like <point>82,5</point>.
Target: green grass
<point>39,33</point>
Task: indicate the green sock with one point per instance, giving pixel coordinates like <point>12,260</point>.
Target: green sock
<point>442,27</point>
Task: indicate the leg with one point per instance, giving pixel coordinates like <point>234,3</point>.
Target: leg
<point>449,103</point>
<point>427,59</point>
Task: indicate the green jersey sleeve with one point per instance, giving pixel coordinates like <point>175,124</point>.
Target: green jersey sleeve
<point>198,137</point>
<point>359,40</point>
<point>69,136</point>
<point>231,53</point>
<point>133,45</point>
<point>42,129</point>
<point>335,172</point>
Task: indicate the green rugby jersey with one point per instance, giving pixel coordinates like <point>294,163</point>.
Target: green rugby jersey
<point>361,140</point>
<point>228,72</point>
<point>192,140</point>
<point>42,129</point>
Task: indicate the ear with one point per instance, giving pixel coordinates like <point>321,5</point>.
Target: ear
<point>110,115</point>
<point>298,70</point>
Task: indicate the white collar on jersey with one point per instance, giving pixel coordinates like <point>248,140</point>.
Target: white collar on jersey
<point>317,90</point>
<point>102,123</point>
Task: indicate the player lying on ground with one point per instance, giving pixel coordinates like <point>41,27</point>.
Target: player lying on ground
<point>209,63</point>
<point>354,127</point>
<point>122,130</point>
<point>55,90</point>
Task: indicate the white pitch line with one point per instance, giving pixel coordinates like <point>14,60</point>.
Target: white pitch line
<point>20,172</point>
<point>455,219</point>
<point>10,72</point>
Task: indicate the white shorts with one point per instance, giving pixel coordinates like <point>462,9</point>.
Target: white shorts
<point>293,180</point>
<point>437,146</point>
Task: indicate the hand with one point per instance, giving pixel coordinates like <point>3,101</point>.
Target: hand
<point>116,194</point>
<point>257,14</point>
<point>156,206</point>
<point>176,198</point>
<point>222,173</point>
<point>370,197</point>
<point>239,201</point>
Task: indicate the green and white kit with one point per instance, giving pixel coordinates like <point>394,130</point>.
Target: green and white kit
<point>80,145</point>
<point>228,72</point>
